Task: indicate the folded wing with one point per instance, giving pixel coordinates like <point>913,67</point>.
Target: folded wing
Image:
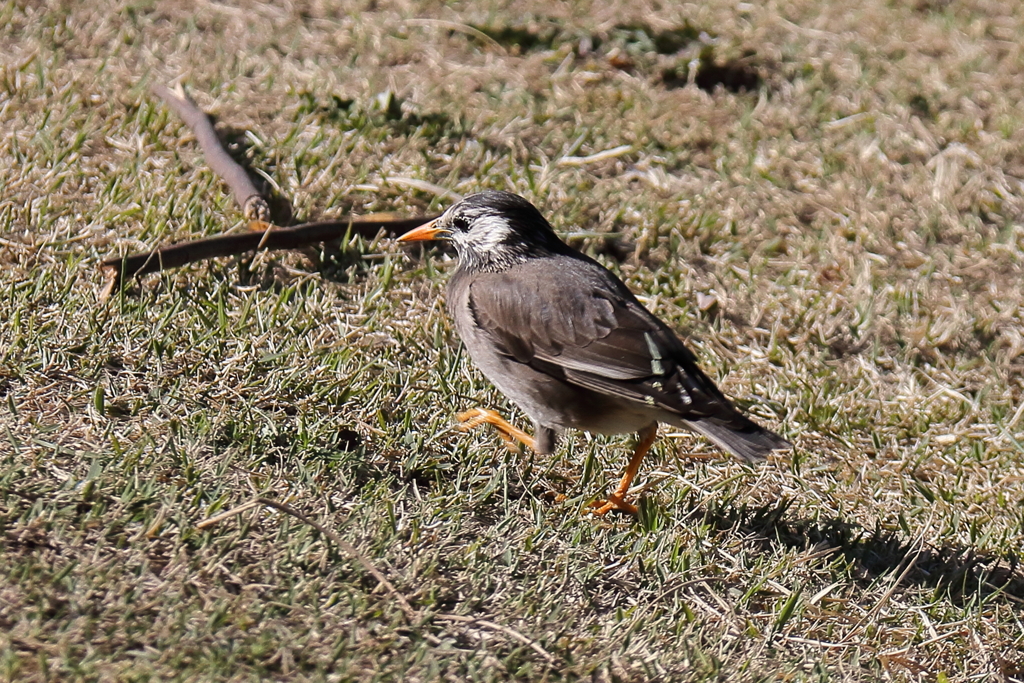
<point>600,338</point>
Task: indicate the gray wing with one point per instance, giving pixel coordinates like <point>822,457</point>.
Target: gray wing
<point>592,332</point>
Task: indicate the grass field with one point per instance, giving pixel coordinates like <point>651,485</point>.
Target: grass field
<point>825,199</point>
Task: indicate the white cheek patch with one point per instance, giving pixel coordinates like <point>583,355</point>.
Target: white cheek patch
<point>485,235</point>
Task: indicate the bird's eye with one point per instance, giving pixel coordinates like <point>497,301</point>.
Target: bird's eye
<point>460,223</point>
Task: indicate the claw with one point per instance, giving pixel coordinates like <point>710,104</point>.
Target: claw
<point>614,502</point>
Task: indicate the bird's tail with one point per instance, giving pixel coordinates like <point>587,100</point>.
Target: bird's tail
<point>740,436</point>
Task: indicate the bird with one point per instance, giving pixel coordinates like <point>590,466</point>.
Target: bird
<point>566,340</point>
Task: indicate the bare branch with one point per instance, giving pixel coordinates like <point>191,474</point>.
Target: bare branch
<point>348,548</point>
<point>253,205</point>
<point>118,270</point>
<point>410,612</point>
<point>257,211</point>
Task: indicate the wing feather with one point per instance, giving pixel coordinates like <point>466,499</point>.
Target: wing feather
<point>592,332</point>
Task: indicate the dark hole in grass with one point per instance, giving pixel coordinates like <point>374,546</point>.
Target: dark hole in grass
<point>735,75</point>
<point>738,75</point>
<point>348,439</point>
<point>919,105</point>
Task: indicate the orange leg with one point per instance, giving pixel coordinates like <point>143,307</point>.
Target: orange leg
<point>478,416</point>
<point>617,500</point>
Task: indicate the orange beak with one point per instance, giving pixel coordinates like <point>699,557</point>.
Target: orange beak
<point>427,231</point>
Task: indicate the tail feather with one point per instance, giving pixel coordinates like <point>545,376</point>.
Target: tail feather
<point>740,436</point>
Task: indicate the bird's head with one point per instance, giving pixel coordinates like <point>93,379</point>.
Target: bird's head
<point>491,230</point>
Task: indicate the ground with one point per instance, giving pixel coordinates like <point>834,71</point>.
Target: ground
<point>825,199</point>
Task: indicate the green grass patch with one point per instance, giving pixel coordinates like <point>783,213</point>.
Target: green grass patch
<point>840,241</point>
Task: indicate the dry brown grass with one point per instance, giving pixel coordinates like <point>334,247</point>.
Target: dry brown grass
<point>853,227</point>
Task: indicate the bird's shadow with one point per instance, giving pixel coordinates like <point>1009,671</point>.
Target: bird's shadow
<point>963,573</point>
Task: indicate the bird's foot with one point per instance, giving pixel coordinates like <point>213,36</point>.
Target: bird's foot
<point>616,502</point>
<point>510,433</point>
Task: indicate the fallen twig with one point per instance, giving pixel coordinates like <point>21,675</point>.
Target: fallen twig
<point>410,612</point>
<point>348,548</point>
<point>118,270</point>
<point>237,510</point>
<point>512,633</point>
<point>254,206</point>
<point>264,234</point>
